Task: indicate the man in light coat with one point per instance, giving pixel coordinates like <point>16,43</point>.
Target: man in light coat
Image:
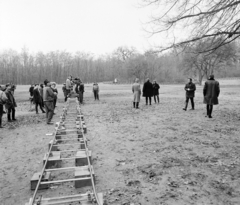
<point>3,100</point>
<point>211,92</point>
<point>48,99</point>
<point>136,89</point>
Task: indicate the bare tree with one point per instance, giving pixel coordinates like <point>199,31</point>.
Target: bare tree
<point>200,19</point>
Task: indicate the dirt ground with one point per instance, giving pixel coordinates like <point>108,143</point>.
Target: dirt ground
<point>158,154</point>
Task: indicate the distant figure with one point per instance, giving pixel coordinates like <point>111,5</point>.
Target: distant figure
<point>190,93</point>
<point>48,98</point>
<point>54,88</point>
<point>115,81</point>
<point>37,99</point>
<point>3,100</point>
<point>40,88</point>
<point>96,91</point>
<point>64,89</point>
<point>211,92</point>
<point>80,90</point>
<point>156,91</point>
<point>31,96</point>
<point>148,91</point>
<point>10,105</point>
<point>68,85</point>
<point>136,89</point>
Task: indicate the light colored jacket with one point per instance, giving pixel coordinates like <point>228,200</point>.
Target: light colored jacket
<point>68,84</point>
<point>3,98</point>
<point>48,94</point>
<point>136,89</point>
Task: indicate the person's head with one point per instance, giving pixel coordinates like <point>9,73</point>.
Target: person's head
<point>136,80</point>
<point>189,80</point>
<point>46,82</point>
<point>155,81</point>
<point>8,85</point>
<point>53,84</point>
<point>64,84</point>
<point>211,77</point>
<point>147,80</point>
<point>36,86</point>
<point>2,87</point>
<point>41,85</point>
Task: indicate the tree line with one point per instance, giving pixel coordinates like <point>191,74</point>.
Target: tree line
<point>124,63</point>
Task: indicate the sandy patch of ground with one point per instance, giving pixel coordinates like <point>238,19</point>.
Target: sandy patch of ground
<point>158,154</point>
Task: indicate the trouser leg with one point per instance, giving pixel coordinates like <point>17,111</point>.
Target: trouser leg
<point>186,103</point>
<point>207,107</point>
<point>36,107</point>
<point>192,103</point>
<point>9,114</point>
<point>146,100</point>
<point>150,100</point>
<point>1,114</point>
<point>137,104</point>
<point>50,109</point>
<point>41,108</point>
<point>134,104</point>
<point>155,98</point>
<point>13,114</point>
<point>95,95</point>
<point>210,110</point>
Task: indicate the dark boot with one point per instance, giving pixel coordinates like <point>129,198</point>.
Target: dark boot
<point>137,104</point>
<point>207,111</point>
<point>150,100</point>
<point>134,104</point>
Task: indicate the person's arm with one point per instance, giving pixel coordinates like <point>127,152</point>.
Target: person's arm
<point>218,89</point>
<point>205,89</point>
<point>51,93</point>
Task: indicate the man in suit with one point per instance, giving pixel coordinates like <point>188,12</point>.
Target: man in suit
<point>190,93</point>
<point>148,91</point>
<point>211,92</point>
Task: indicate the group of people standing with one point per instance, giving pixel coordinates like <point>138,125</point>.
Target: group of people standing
<point>7,100</point>
<point>149,90</point>
<point>211,92</point>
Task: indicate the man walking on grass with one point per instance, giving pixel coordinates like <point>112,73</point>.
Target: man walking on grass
<point>211,92</point>
<point>48,99</point>
<point>190,93</point>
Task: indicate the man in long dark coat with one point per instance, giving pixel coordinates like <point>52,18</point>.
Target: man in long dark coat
<point>148,91</point>
<point>190,93</point>
<point>211,92</point>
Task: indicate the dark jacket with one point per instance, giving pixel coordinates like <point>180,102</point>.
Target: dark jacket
<point>211,92</point>
<point>31,91</point>
<point>37,96</point>
<point>147,89</point>
<point>155,89</point>
<point>11,103</point>
<point>190,90</point>
<point>79,88</point>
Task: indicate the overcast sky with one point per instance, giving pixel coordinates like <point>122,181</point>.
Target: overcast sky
<point>96,26</point>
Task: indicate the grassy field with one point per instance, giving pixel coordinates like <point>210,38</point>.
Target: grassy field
<point>156,155</point>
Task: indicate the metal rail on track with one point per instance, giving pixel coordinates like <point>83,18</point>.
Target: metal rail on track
<point>69,198</point>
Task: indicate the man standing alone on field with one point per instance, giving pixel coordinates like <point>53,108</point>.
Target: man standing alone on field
<point>48,99</point>
<point>96,91</point>
<point>190,93</point>
<point>211,92</point>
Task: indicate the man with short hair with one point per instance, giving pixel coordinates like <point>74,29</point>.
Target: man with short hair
<point>148,91</point>
<point>211,92</point>
<point>10,104</point>
<point>48,99</point>
<point>68,85</point>
<point>190,93</point>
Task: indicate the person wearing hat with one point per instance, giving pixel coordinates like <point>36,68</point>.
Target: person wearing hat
<point>48,99</point>
<point>211,92</point>
<point>3,100</point>
<point>64,91</point>
<point>10,104</point>
<point>190,93</point>
<point>156,91</point>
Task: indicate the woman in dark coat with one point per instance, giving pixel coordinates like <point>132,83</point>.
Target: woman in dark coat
<point>37,99</point>
<point>10,104</point>
<point>148,91</point>
<point>155,91</point>
<point>211,92</point>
